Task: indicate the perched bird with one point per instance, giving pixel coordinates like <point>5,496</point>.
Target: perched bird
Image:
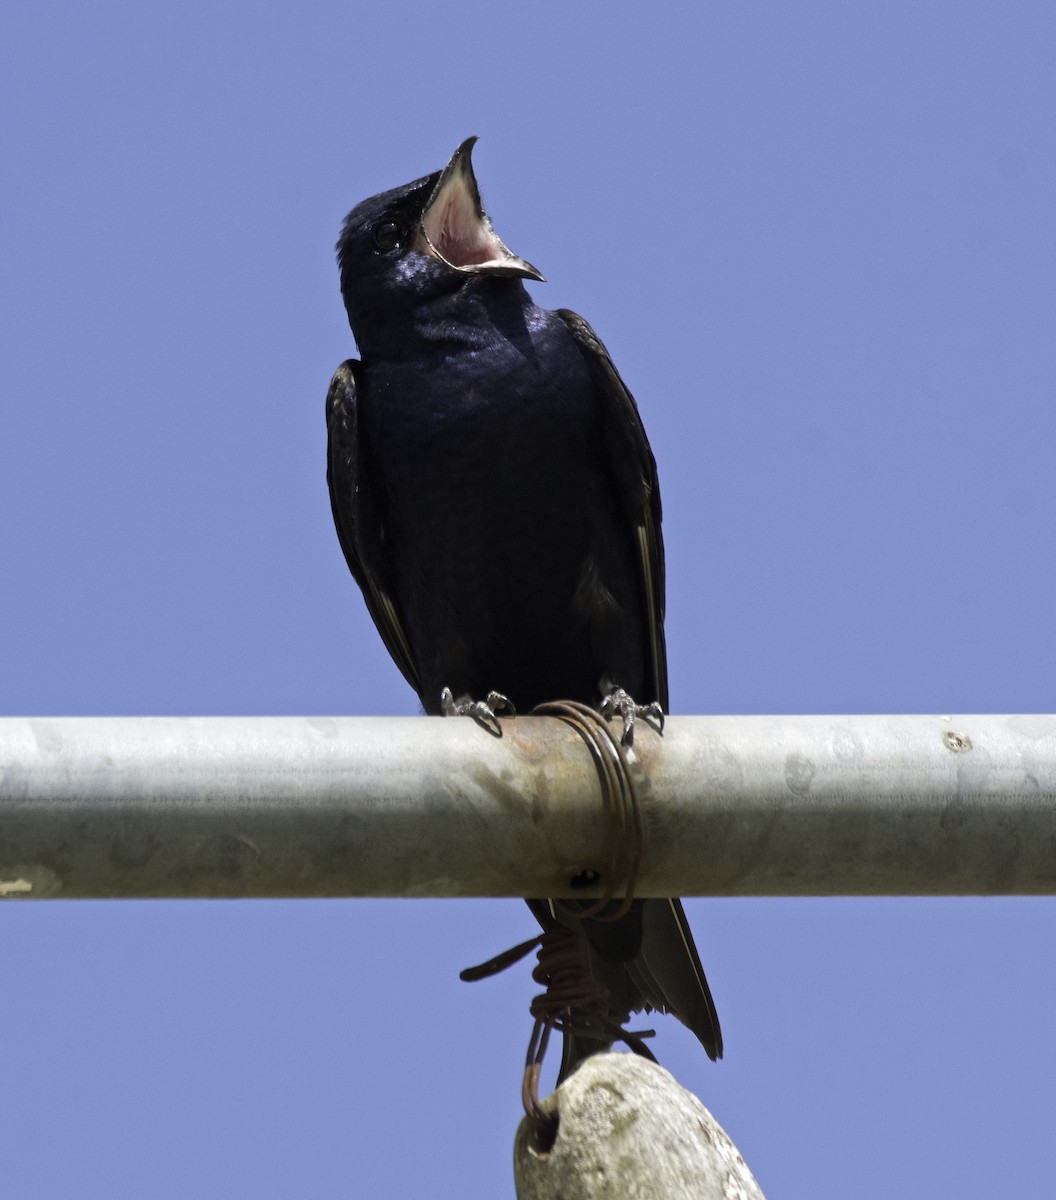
<point>497,502</point>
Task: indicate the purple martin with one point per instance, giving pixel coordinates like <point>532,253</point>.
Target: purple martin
<point>497,502</point>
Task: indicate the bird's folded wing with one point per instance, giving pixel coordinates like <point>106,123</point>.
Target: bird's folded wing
<point>634,474</point>
<point>356,516</point>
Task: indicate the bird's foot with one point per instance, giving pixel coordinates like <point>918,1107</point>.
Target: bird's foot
<point>619,703</point>
<point>485,711</point>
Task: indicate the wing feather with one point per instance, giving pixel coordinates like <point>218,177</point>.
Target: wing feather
<point>632,463</point>
<point>356,516</point>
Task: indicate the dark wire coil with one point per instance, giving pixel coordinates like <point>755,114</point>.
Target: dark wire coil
<point>572,1000</point>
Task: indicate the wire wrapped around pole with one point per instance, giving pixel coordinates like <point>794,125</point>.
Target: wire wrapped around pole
<point>572,1000</point>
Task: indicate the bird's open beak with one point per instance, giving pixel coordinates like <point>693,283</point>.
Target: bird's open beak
<point>455,228</point>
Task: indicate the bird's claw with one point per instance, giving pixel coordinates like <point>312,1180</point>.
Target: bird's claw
<point>619,703</point>
<point>485,711</point>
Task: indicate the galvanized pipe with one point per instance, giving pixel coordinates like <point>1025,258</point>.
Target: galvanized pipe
<point>325,806</point>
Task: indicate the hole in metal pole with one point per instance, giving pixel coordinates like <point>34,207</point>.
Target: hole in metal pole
<point>585,879</point>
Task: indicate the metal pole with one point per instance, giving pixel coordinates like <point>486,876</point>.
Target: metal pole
<point>301,806</point>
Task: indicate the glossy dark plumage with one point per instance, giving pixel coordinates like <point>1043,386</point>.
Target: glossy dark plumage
<point>497,502</point>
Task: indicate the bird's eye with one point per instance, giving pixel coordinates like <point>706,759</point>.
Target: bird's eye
<point>387,234</point>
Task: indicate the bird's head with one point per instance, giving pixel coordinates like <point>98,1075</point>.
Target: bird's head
<point>423,240</point>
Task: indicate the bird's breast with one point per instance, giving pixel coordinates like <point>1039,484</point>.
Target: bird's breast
<point>488,477</point>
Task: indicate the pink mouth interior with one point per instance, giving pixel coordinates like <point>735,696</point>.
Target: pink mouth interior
<point>457,233</point>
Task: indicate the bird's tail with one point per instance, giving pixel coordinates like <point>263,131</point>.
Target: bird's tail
<point>645,961</point>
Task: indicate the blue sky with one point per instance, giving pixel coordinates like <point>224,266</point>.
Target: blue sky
<point>819,242</point>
